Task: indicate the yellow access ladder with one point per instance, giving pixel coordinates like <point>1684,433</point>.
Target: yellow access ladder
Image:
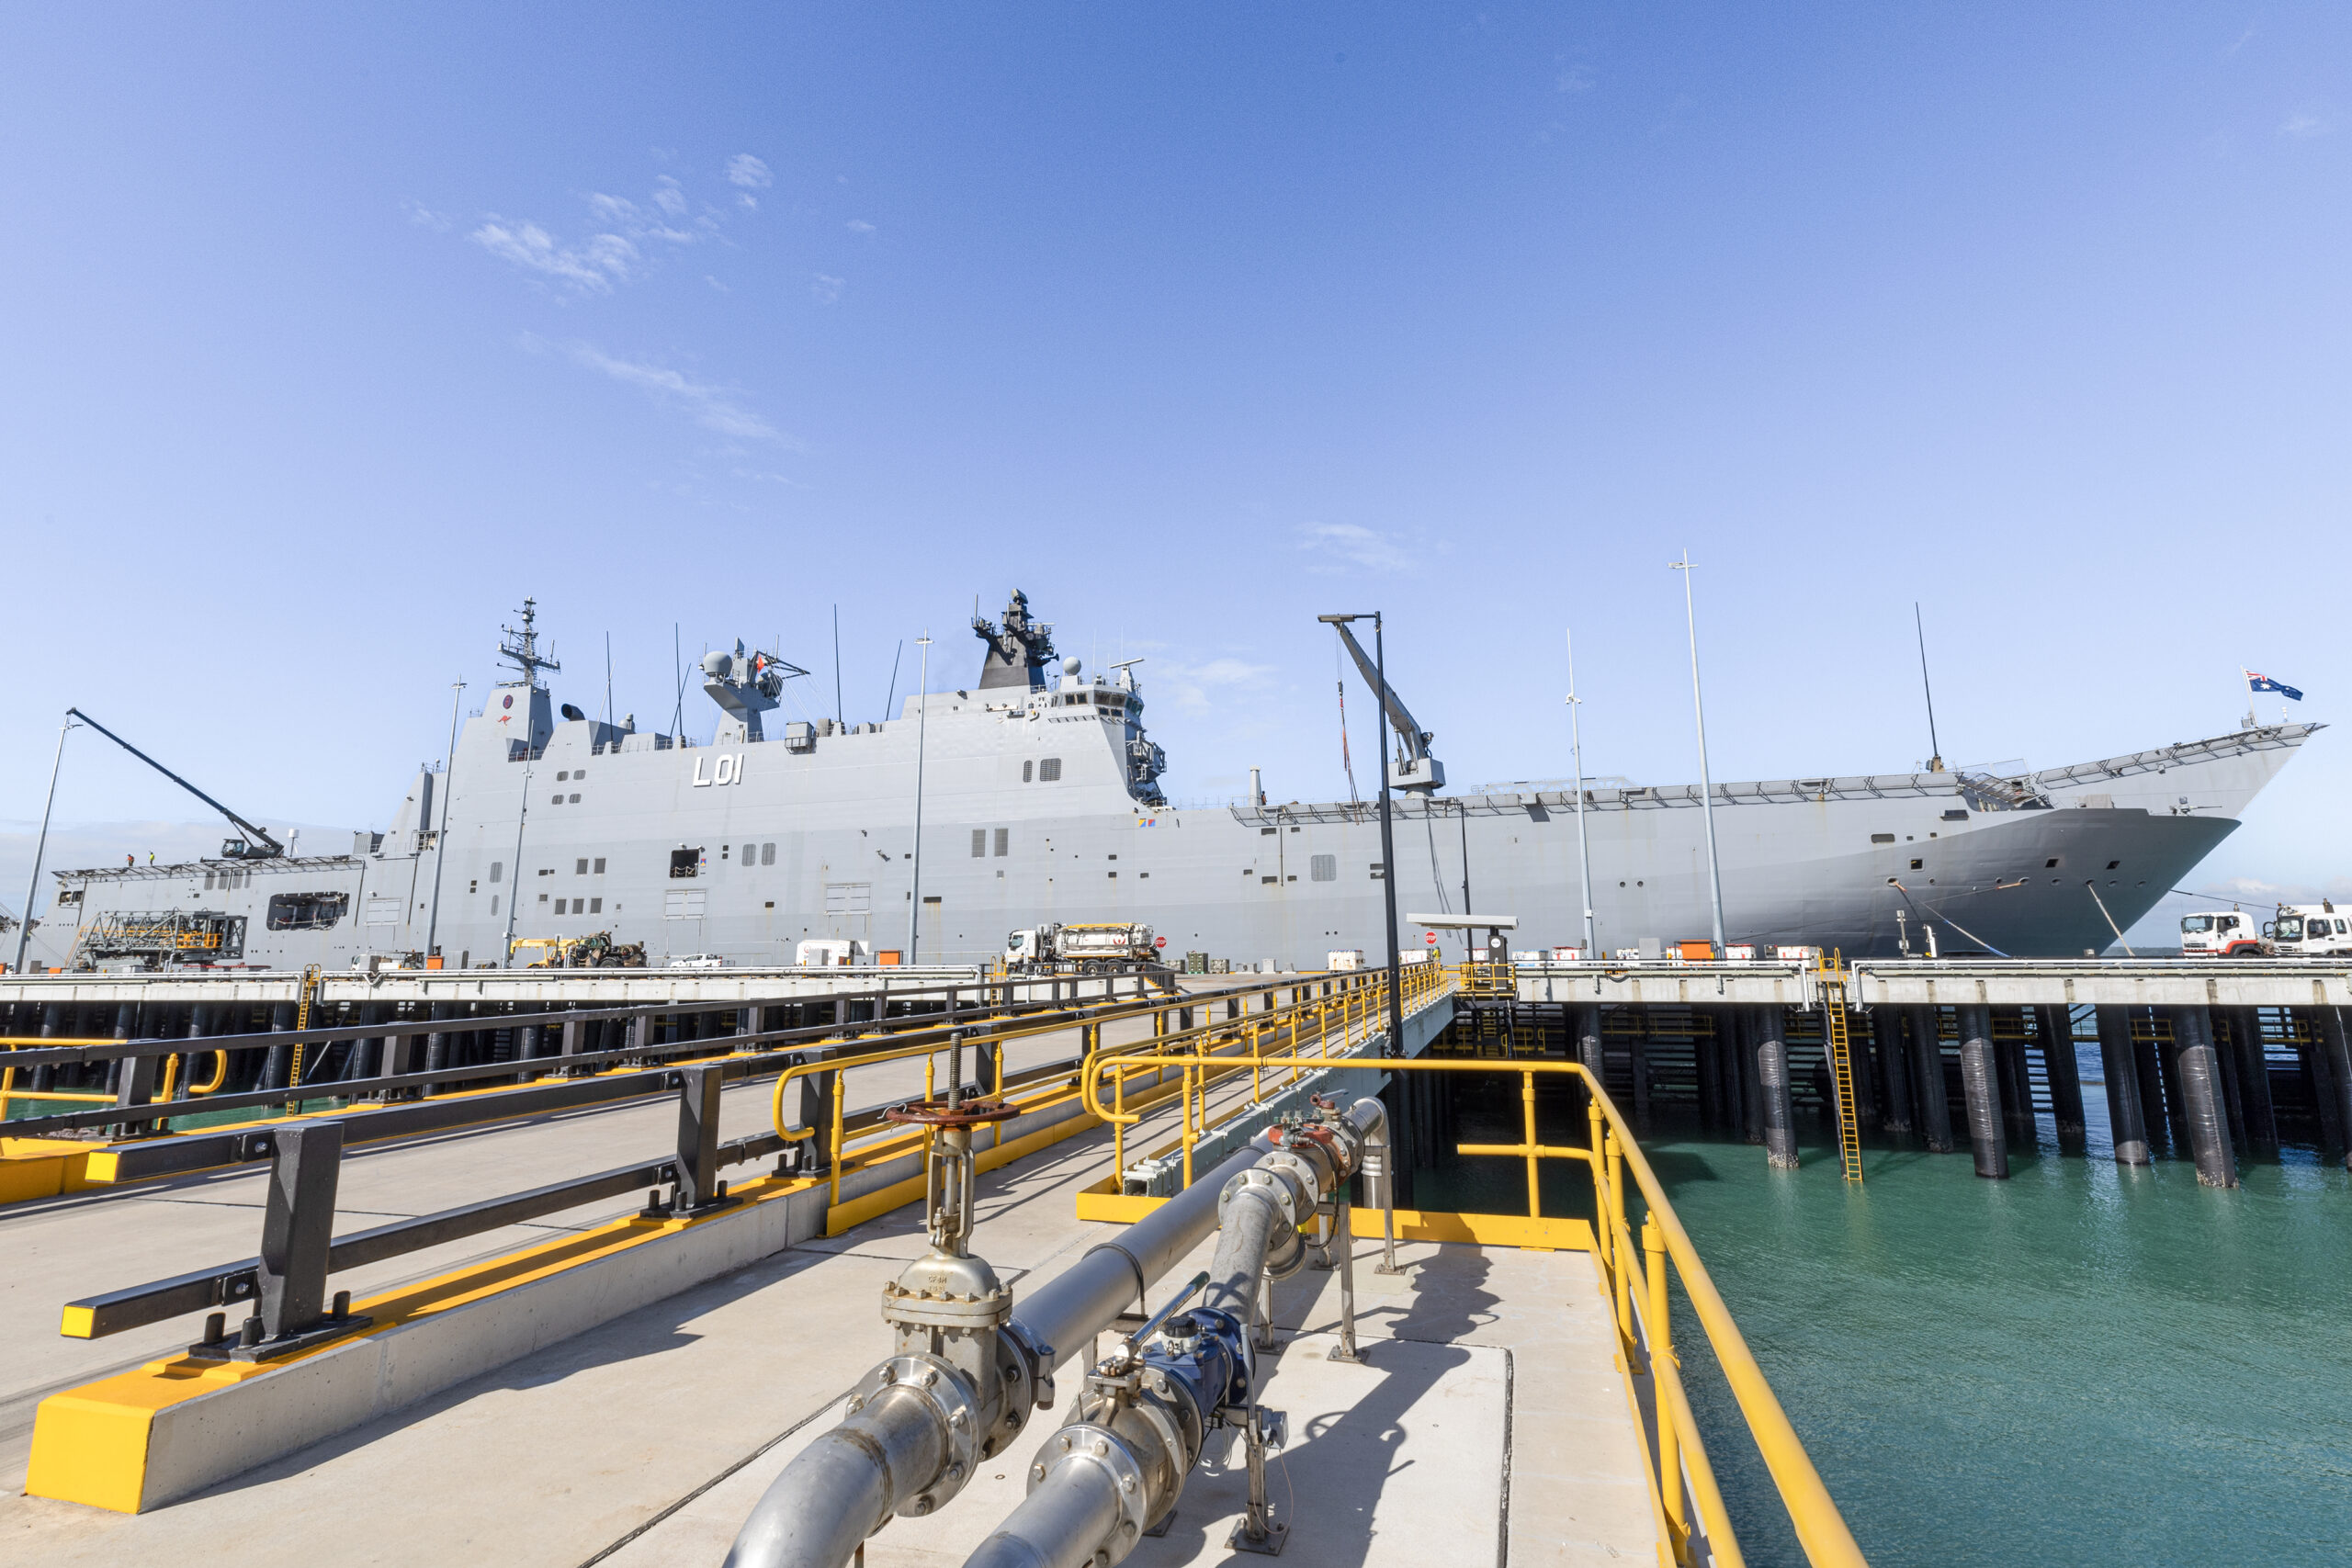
<point>1841,1067</point>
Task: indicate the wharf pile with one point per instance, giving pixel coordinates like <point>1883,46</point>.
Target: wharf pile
<point>2198,1058</point>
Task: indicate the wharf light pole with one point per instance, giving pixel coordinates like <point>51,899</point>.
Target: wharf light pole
<point>1706,784</point>
<point>441,839</point>
<point>1388,836</point>
<point>923,712</point>
<point>40,847</point>
<point>1584,847</point>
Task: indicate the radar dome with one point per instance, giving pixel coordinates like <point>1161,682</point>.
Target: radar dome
<point>1071,666</point>
<point>719,663</point>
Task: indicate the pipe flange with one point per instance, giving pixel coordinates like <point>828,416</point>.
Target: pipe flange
<point>1281,1188</point>
<point>1018,1379</point>
<point>1176,1417</point>
<point>1099,1447</point>
<point>1036,1359</point>
<point>935,1382</point>
<point>1315,1169</point>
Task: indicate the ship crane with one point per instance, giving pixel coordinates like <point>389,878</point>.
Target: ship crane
<point>256,844</point>
<point>1414,768</point>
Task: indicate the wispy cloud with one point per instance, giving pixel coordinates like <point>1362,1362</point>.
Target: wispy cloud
<point>424,217</point>
<point>827,288</point>
<point>630,236</point>
<point>860,226</point>
<point>1337,545</point>
<point>591,267</point>
<point>1196,688</point>
<point>2303,127</point>
<point>747,172</point>
<point>1574,79</point>
<point>635,223</point>
<point>713,408</point>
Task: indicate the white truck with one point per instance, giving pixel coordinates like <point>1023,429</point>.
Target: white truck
<point>2310,931</point>
<point>2221,933</point>
<point>1089,948</point>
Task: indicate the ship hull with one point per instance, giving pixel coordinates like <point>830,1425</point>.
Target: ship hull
<point>596,832</point>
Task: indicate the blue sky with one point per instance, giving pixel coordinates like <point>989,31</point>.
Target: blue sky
<point>333,335</point>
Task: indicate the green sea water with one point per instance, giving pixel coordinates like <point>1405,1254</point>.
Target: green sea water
<point>2081,1364</point>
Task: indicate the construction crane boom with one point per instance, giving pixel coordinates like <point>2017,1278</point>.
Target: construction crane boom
<point>1418,769</point>
<point>256,844</point>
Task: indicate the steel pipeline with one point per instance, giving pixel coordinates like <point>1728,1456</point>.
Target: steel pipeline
<point>889,1455</point>
<point>1118,1469</point>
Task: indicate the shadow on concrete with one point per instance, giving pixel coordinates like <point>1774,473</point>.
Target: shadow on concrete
<point>650,1330</point>
<point>1414,1351</point>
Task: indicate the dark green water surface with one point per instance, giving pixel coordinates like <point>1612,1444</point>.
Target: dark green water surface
<point>2083,1364</point>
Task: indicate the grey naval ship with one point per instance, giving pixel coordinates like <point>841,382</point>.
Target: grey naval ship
<point>1041,802</point>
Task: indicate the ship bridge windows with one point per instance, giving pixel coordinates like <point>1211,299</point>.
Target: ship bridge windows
<point>1049,769</point>
<point>497,869</point>
<point>1882,837</point>
<point>306,911</point>
<point>1026,769</point>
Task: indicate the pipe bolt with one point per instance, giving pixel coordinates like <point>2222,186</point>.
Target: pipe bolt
<point>853,1406</point>
<point>929,1376</point>
<point>1036,1472</point>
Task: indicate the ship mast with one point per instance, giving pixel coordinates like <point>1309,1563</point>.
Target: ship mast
<point>520,648</point>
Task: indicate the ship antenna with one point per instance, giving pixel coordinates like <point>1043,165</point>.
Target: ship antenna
<point>520,648</point>
<point>894,678</point>
<point>841,714</point>
<point>1935,750</point>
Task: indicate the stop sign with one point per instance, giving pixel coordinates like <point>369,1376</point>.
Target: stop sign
<point>1432,939</point>
<point>1160,942</point>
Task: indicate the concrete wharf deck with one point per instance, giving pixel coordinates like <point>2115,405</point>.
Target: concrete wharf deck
<point>578,987</point>
<point>1492,1417</point>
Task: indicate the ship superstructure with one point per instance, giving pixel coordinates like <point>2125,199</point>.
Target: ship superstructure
<point>1042,803</point>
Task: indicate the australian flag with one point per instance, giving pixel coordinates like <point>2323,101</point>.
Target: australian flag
<point>2265,683</point>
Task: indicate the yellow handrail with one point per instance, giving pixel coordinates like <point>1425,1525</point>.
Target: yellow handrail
<point>220,1075</point>
<point>882,1142</point>
<point>1820,1529</point>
